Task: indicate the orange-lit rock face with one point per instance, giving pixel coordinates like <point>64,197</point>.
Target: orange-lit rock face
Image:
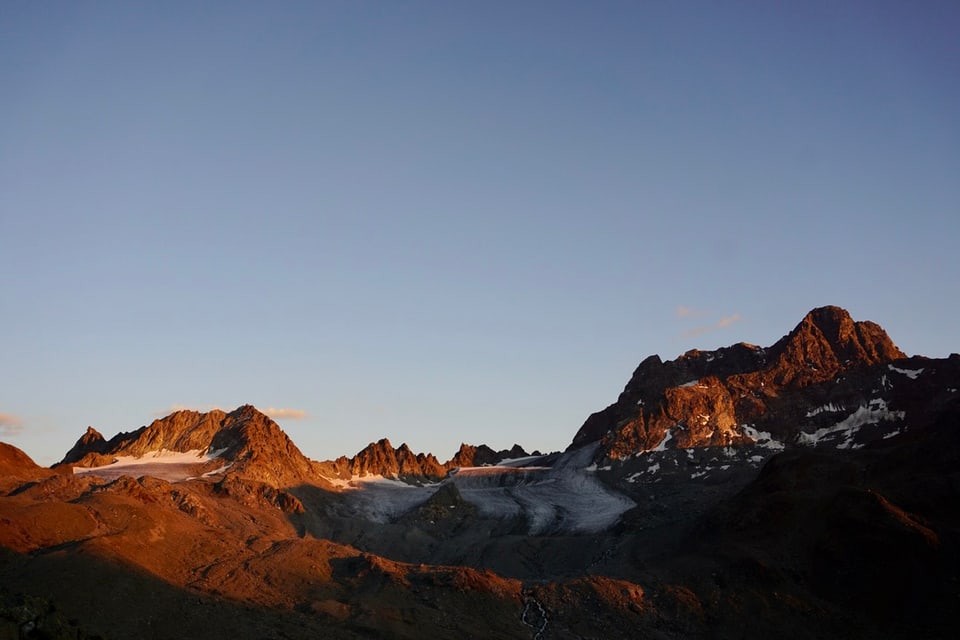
<point>703,398</point>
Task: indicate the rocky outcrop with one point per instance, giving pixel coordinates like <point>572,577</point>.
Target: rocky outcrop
<point>380,458</point>
<point>16,467</point>
<point>13,461</point>
<point>90,442</point>
<point>477,456</point>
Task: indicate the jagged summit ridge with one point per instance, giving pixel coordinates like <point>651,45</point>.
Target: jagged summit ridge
<point>246,442</point>
<point>827,341</point>
<point>382,459</point>
<point>705,398</point>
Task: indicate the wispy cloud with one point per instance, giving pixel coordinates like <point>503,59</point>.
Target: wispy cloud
<point>684,311</point>
<point>726,321</point>
<point>701,329</point>
<point>698,331</point>
<point>289,414</point>
<point>10,425</point>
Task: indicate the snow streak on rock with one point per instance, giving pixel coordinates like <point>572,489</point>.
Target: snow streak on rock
<point>872,413</point>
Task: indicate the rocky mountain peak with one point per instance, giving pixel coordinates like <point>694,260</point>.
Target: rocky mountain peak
<point>91,441</point>
<point>381,458</point>
<point>702,398</point>
<point>825,342</point>
<point>477,456</point>
<point>253,445</point>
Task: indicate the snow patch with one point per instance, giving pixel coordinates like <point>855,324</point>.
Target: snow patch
<point>910,373</point>
<point>831,407</point>
<point>763,439</point>
<point>687,385</point>
<point>217,472</point>
<point>663,443</point>
<point>873,412</point>
<point>172,466</point>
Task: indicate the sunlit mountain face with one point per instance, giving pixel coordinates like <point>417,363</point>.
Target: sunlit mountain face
<point>807,489</point>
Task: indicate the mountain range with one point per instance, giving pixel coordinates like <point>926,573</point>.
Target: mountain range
<point>809,489</point>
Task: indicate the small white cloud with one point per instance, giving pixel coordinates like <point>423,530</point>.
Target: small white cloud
<point>722,323</point>
<point>10,425</point>
<point>289,414</point>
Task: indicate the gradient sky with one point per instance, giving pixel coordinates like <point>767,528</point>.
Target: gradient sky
<point>453,221</point>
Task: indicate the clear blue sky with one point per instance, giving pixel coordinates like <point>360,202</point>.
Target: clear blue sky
<point>453,221</point>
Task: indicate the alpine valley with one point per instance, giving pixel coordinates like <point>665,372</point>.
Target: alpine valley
<point>809,489</point>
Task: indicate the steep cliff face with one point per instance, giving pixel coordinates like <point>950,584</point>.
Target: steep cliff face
<point>720,398</point>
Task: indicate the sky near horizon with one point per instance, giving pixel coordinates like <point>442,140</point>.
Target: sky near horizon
<point>443,221</point>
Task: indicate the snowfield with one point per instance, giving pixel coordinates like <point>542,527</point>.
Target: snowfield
<point>381,499</point>
<point>562,498</point>
<point>172,466</point>
<point>910,373</point>
<point>566,497</point>
<point>763,439</point>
